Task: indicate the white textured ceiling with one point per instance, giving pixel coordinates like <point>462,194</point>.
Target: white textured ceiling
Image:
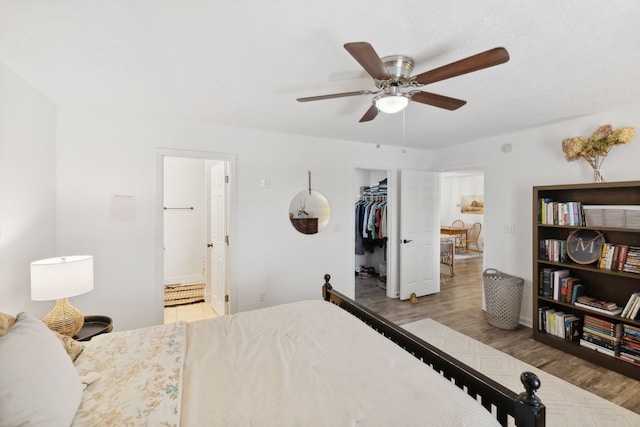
<point>243,63</point>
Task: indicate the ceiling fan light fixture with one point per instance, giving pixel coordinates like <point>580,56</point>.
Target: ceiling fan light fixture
<point>391,103</point>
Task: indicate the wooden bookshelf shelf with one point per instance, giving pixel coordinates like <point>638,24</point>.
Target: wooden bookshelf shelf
<point>602,284</point>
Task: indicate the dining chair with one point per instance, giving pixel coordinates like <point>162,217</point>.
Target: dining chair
<point>447,253</point>
<point>472,237</point>
<point>458,223</point>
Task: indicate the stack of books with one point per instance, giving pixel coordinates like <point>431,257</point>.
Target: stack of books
<point>553,250</point>
<point>601,335</point>
<point>613,257</point>
<point>632,260</point>
<point>632,308</point>
<point>630,346</point>
<point>560,213</point>
<point>555,283</point>
<point>605,307</point>
<point>559,323</point>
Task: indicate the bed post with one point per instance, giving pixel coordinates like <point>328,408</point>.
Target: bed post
<point>326,287</point>
<point>529,410</point>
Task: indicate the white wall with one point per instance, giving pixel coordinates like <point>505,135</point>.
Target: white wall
<point>536,159</point>
<point>27,190</point>
<point>184,229</point>
<point>101,154</point>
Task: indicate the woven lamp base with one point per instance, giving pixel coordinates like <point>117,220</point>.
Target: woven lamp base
<point>64,318</point>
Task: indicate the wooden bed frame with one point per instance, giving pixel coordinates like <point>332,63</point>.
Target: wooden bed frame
<point>525,408</point>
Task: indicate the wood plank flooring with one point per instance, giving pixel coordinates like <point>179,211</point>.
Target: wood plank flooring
<point>189,312</point>
<point>459,306</point>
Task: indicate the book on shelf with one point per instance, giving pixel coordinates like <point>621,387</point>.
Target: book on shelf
<point>598,348</point>
<point>630,349</point>
<point>604,324</point>
<point>543,316</point>
<point>632,261</point>
<point>599,310</point>
<point>557,278</point>
<point>615,335</point>
<point>553,250</point>
<point>599,306</point>
<point>603,342</point>
<point>631,337</point>
<point>560,213</point>
<point>578,291</point>
<point>566,288</point>
<point>626,358</point>
<point>630,345</point>
<point>560,324</point>
<point>633,312</point>
<point>556,324</point>
<point>627,312</point>
<point>622,257</point>
<point>630,352</point>
<point>572,328</point>
<point>613,257</point>
<point>585,299</point>
<point>546,282</point>
<point>635,330</point>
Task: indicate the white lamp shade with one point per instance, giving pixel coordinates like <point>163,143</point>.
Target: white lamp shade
<point>62,277</point>
<point>391,103</point>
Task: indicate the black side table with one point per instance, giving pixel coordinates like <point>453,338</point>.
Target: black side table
<point>94,325</point>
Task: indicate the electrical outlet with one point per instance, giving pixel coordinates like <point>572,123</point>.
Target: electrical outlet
<point>510,228</point>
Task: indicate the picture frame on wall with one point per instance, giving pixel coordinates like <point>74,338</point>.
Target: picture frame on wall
<point>472,204</point>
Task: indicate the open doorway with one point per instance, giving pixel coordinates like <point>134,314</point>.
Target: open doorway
<point>462,204</point>
<point>388,203</point>
<point>195,252</point>
<point>372,204</point>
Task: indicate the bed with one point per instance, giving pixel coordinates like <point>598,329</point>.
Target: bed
<point>309,363</point>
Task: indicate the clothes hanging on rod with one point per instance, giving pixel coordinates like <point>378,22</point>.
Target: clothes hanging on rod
<point>371,218</point>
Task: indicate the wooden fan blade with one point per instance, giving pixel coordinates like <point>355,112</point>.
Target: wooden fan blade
<point>371,114</point>
<point>437,100</point>
<point>498,55</point>
<point>367,57</point>
<point>334,95</point>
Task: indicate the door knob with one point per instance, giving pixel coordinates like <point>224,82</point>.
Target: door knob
<point>407,241</point>
<point>209,245</point>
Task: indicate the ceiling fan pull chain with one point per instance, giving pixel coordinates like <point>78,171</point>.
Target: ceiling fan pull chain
<point>403,138</point>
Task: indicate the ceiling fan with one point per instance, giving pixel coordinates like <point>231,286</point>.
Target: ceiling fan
<point>395,86</point>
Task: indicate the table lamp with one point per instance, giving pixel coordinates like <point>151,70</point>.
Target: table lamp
<point>58,279</point>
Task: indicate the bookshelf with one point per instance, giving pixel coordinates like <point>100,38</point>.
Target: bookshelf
<point>600,283</point>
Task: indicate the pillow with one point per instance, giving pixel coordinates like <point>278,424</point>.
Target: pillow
<point>6,322</point>
<point>71,346</point>
<point>39,386</point>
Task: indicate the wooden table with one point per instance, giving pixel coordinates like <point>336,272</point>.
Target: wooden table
<point>454,231</point>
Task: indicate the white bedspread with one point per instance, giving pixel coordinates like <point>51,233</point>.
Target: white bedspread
<point>312,364</point>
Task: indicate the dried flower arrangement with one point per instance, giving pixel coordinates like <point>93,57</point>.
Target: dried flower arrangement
<point>595,148</point>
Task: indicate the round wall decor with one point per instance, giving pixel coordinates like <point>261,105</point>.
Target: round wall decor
<point>584,246</point>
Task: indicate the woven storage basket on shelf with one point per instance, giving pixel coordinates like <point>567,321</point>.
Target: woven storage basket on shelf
<point>503,295</point>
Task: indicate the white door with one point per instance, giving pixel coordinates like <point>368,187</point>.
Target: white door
<point>419,233</point>
<point>218,232</point>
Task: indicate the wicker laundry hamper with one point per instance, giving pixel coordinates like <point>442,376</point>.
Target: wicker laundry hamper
<point>503,296</point>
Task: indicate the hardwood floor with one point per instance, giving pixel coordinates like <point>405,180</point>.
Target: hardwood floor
<point>189,312</point>
<point>459,306</point>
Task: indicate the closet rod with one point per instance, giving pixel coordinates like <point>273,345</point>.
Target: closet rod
<point>166,208</point>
